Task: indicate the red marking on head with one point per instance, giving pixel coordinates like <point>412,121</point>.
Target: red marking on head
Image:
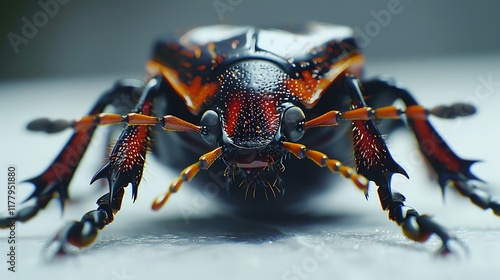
<point>269,107</point>
<point>232,113</point>
<point>251,119</point>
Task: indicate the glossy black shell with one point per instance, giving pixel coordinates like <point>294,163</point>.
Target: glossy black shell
<point>308,53</point>
<point>314,57</point>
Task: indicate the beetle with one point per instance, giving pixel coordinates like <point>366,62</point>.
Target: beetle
<point>251,101</point>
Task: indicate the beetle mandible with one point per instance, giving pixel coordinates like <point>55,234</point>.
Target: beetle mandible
<point>255,99</point>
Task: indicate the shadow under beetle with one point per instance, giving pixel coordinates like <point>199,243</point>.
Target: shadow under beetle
<point>255,99</point>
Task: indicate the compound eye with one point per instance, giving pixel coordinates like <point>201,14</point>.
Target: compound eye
<point>211,129</point>
<point>294,123</point>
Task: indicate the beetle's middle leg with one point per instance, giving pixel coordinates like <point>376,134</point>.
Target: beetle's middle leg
<point>450,168</point>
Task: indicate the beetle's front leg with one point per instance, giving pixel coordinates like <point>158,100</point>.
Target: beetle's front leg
<point>126,161</point>
<point>125,165</point>
<point>54,181</point>
<point>374,161</point>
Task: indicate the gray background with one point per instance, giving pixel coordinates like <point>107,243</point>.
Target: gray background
<point>443,51</point>
<point>109,37</point>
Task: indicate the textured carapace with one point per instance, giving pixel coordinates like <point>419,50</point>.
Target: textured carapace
<point>250,94</point>
<point>312,55</point>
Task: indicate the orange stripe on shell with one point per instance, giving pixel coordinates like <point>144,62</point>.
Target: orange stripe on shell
<point>194,95</point>
<point>309,88</point>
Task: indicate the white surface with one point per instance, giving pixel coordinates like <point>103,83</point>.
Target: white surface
<point>345,237</point>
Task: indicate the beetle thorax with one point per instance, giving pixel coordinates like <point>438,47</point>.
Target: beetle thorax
<point>251,93</point>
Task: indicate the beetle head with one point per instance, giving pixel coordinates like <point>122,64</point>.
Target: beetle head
<point>252,116</point>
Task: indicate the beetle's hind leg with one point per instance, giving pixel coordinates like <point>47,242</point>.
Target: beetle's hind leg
<point>54,181</point>
<point>450,168</point>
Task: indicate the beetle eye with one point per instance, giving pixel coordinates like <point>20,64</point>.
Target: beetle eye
<point>211,127</point>
<point>293,123</point>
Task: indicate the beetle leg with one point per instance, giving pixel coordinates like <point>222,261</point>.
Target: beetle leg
<point>187,175</point>
<point>54,181</point>
<point>374,161</point>
<point>84,232</point>
<point>450,168</point>
<point>126,161</point>
<point>125,165</point>
<point>322,160</point>
<point>415,226</point>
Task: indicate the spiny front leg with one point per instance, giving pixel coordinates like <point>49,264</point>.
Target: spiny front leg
<point>125,165</point>
<point>373,159</point>
<point>126,161</point>
<point>375,162</point>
